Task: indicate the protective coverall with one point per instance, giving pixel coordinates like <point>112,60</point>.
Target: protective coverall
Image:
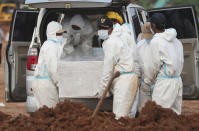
<point>118,57</point>
<point>167,62</point>
<point>78,38</point>
<point>144,56</point>
<point>44,88</point>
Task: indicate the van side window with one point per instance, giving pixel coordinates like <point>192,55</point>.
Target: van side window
<point>24,26</point>
<point>136,22</point>
<point>182,20</point>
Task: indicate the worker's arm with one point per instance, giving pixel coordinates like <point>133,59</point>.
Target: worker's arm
<point>53,62</point>
<point>155,63</point>
<point>110,54</point>
<point>41,60</point>
<point>128,38</point>
<point>137,64</point>
<point>139,71</point>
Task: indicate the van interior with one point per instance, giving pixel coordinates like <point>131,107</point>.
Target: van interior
<point>91,14</point>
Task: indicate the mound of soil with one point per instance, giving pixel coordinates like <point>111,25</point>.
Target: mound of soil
<point>76,116</point>
<point>4,117</point>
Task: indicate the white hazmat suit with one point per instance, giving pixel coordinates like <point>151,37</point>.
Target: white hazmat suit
<point>126,36</point>
<point>167,62</point>
<point>45,89</point>
<point>118,57</point>
<point>78,38</point>
<point>144,55</point>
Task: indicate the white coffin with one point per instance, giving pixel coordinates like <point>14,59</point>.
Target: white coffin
<point>79,77</point>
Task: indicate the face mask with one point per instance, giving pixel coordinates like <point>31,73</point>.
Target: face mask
<point>60,38</point>
<point>77,38</point>
<point>114,26</point>
<point>75,31</point>
<point>103,34</point>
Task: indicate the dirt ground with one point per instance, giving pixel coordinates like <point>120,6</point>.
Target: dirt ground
<point>74,116</point>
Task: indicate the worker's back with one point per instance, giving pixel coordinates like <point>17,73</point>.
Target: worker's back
<point>170,47</point>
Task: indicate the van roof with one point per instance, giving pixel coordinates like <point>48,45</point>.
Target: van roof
<point>43,1</point>
<point>68,3</point>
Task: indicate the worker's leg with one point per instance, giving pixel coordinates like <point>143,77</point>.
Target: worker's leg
<point>46,93</point>
<point>123,96</point>
<point>144,97</point>
<point>165,92</point>
<point>177,106</point>
<point>135,105</point>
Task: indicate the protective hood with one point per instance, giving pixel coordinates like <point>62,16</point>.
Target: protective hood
<point>78,21</point>
<point>127,35</point>
<point>52,28</point>
<point>169,34</point>
<point>127,28</point>
<point>117,30</point>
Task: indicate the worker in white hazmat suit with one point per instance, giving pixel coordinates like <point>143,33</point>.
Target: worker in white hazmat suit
<point>45,89</point>
<point>127,38</point>
<point>117,57</point>
<point>80,33</point>
<point>167,62</point>
<point>126,35</point>
<point>144,56</point>
<point>68,48</point>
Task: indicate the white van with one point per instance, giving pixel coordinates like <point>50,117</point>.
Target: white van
<point>28,32</point>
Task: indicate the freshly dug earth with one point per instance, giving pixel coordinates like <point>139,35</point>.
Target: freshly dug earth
<point>4,117</point>
<point>75,116</point>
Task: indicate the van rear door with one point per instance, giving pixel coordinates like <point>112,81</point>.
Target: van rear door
<point>184,20</point>
<point>136,17</point>
<point>22,26</point>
